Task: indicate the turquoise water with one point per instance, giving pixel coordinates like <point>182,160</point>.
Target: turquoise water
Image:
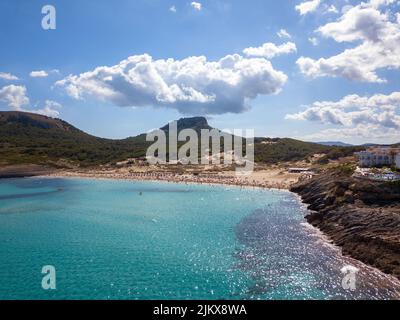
<point>112,239</point>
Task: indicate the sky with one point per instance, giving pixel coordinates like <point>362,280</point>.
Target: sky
<point>316,70</point>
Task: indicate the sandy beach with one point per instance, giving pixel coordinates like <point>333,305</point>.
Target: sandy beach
<point>273,178</point>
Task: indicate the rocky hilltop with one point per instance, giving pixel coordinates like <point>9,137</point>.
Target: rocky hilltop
<point>360,216</point>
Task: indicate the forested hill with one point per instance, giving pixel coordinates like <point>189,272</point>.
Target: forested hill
<point>36,139</point>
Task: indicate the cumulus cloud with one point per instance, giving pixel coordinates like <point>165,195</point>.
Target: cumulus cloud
<point>192,86</point>
<point>50,109</point>
<point>39,74</point>
<point>16,98</point>
<point>355,113</point>
<point>283,34</point>
<point>379,49</point>
<point>270,50</point>
<point>308,6</point>
<point>358,134</point>
<point>172,9</point>
<point>8,76</point>
<point>196,5</point>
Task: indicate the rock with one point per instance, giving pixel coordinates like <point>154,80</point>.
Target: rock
<point>361,216</point>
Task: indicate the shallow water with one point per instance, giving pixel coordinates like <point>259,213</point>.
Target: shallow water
<point>112,239</point>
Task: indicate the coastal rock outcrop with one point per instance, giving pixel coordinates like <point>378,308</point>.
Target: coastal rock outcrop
<point>361,216</point>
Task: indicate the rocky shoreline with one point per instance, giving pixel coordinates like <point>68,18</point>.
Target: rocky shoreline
<point>360,216</point>
<point>21,171</point>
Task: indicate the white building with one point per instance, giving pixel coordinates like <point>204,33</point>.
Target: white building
<point>379,156</point>
<point>397,160</point>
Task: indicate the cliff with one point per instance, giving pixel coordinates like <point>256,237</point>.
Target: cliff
<point>360,216</point>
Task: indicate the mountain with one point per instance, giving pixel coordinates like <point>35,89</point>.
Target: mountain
<point>37,139</point>
<point>335,144</point>
<point>34,120</point>
<point>195,123</point>
<point>27,138</point>
<point>368,145</point>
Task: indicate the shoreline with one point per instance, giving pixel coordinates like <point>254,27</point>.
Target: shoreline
<point>325,240</point>
<point>360,218</point>
<point>319,234</point>
<point>24,171</point>
<point>326,236</point>
<point>370,277</point>
<point>220,184</point>
<point>227,180</point>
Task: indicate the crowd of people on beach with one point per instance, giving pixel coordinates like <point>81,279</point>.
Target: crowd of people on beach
<point>202,178</point>
<point>205,178</point>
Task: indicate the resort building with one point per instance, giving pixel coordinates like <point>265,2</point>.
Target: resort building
<point>379,157</point>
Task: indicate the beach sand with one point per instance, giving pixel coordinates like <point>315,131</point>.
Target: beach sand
<point>276,178</point>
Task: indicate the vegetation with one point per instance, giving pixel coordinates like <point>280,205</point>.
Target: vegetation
<point>31,138</point>
<point>346,169</point>
<point>336,153</point>
<point>27,138</point>
<point>276,150</point>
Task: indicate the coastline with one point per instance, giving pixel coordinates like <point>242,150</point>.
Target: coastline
<point>227,178</point>
<point>327,237</point>
<point>22,171</point>
<point>325,240</point>
<point>216,184</point>
<point>360,217</point>
<point>320,251</point>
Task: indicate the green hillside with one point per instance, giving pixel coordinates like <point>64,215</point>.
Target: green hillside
<point>31,138</point>
<point>274,150</point>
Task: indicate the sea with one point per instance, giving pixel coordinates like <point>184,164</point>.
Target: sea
<point>141,240</point>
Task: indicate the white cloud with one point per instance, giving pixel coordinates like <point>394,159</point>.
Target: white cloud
<point>332,9</point>
<point>172,9</point>
<point>8,76</point>
<point>269,50</point>
<point>192,85</point>
<point>283,34</point>
<point>49,109</point>
<point>308,6</point>
<point>39,74</point>
<point>359,134</point>
<point>360,23</point>
<point>356,115</point>
<point>313,40</point>
<point>379,47</point>
<point>346,8</point>
<point>196,5</point>
<point>377,3</point>
<point>16,98</point>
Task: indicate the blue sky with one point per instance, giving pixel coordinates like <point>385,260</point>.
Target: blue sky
<point>91,34</point>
